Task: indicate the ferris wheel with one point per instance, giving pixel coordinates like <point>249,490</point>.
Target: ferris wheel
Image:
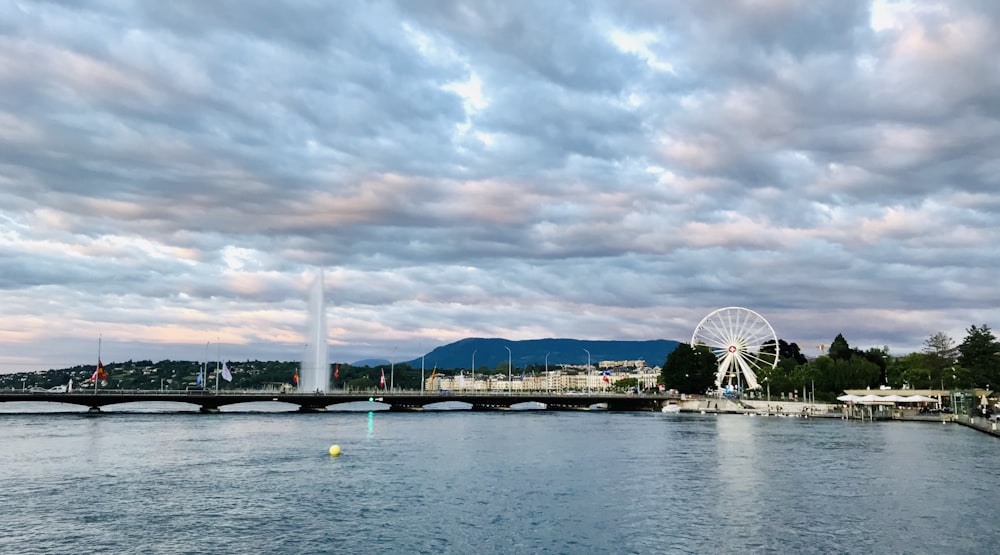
<point>743,343</point>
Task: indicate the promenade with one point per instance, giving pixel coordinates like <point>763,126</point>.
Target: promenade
<point>978,423</point>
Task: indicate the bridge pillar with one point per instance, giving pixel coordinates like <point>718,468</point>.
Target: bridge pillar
<point>209,410</point>
<point>94,410</point>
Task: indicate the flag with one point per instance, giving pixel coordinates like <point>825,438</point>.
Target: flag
<point>434,373</point>
<point>197,380</point>
<point>295,378</point>
<point>381,382</point>
<point>606,380</point>
<point>336,372</point>
<point>522,376</point>
<point>226,374</point>
<point>99,374</point>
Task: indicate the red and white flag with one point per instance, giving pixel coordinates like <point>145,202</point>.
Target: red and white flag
<point>99,374</point>
<point>381,382</point>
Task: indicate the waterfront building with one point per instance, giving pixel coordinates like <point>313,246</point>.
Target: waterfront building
<point>566,378</point>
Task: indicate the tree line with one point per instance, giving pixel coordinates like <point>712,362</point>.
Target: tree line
<point>941,364</point>
<point>172,375</point>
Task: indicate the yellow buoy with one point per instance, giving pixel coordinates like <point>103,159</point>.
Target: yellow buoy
<point>334,450</point>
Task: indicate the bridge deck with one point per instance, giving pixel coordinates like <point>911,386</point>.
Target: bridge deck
<point>209,401</point>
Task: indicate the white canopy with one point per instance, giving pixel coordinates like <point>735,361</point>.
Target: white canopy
<point>886,399</point>
<point>920,399</point>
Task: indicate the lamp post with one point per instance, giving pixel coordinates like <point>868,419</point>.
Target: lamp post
<point>204,367</point>
<point>588,369</point>
<point>509,378</point>
<point>473,371</point>
<point>548,377</point>
<point>392,375</point>
<point>422,374</point>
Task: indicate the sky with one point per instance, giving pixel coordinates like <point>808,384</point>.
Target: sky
<point>173,175</point>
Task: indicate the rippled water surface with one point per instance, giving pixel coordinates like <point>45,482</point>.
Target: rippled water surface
<point>517,482</point>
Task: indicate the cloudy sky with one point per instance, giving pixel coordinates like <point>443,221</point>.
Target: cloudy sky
<point>173,174</point>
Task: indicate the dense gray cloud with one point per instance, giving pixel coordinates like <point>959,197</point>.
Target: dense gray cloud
<point>173,175</point>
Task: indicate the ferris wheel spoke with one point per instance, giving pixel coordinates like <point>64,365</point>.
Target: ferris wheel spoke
<point>714,335</point>
<point>757,330</point>
<point>748,373</point>
<point>757,360</point>
<point>724,365</point>
<point>734,324</point>
<point>720,328</point>
<point>716,338</point>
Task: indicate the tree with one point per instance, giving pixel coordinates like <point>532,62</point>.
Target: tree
<point>940,352</point>
<point>978,356</point>
<point>790,351</point>
<point>839,349</point>
<point>689,370</point>
<point>626,384</point>
<point>916,371</point>
<point>940,344</point>
<point>836,375</point>
<point>879,356</point>
<point>786,351</point>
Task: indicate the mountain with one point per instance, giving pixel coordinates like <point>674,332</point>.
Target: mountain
<point>491,352</point>
<point>371,363</point>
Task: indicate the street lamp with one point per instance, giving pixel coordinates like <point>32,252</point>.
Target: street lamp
<point>473,371</point>
<point>548,377</point>
<point>422,374</point>
<point>588,369</point>
<point>509,378</point>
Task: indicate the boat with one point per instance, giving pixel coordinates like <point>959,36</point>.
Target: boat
<point>671,408</point>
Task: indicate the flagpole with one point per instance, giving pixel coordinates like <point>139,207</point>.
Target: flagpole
<point>97,382</point>
<point>204,366</point>
<point>218,361</point>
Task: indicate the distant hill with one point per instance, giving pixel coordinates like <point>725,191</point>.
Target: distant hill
<point>371,362</point>
<point>491,352</point>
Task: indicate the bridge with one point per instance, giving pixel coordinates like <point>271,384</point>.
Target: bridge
<point>209,401</point>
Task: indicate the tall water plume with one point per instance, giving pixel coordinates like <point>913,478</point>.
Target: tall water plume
<point>315,375</point>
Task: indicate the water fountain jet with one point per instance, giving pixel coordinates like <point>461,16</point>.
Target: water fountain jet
<point>315,374</point>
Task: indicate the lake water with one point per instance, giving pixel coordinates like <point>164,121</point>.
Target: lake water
<point>513,482</point>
